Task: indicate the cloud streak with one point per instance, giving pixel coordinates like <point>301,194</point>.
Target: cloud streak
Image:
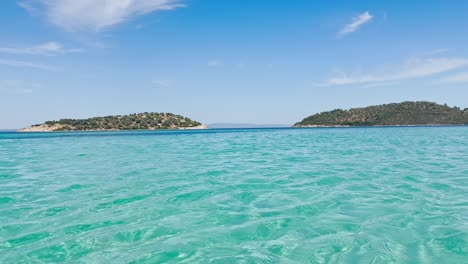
<point>215,63</point>
<point>48,49</point>
<point>73,15</point>
<point>163,83</point>
<point>26,64</point>
<point>17,87</point>
<point>457,78</point>
<point>415,68</point>
<point>355,24</point>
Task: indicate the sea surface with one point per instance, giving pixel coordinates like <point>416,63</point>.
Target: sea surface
<point>323,195</point>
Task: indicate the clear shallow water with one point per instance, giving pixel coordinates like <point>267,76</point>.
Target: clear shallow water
<point>364,195</point>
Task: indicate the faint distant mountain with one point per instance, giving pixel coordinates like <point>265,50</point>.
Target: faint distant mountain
<point>241,125</point>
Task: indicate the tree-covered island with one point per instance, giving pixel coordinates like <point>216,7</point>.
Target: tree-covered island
<point>397,114</point>
<point>141,121</point>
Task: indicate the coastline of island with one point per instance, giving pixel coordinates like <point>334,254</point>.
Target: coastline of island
<point>350,126</point>
<point>45,129</point>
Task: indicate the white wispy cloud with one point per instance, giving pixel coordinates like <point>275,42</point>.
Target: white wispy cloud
<point>414,68</point>
<point>17,87</point>
<point>48,48</point>
<point>75,15</point>
<point>163,83</point>
<point>215,63</point>
<point>457,78</point>
<point>26,64</point>
<point>28,7</point>
<point>356,23</point>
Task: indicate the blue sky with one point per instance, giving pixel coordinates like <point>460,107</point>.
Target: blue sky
<point>245,61</point>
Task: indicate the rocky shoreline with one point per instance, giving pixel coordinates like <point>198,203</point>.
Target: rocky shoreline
<point>58,128</point>
<point>337,126</point>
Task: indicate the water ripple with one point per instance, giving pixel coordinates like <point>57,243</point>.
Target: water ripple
<point>358,195</point>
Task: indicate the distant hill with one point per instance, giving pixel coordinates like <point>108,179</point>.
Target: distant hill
<point>398,114</point>
<point>142,121</point>
<point>240,125</point>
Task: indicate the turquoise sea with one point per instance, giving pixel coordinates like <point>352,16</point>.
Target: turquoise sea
<point>331,195</point>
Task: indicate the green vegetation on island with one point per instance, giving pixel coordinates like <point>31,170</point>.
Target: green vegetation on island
<point>142,121</point>
<point>397,114</point>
